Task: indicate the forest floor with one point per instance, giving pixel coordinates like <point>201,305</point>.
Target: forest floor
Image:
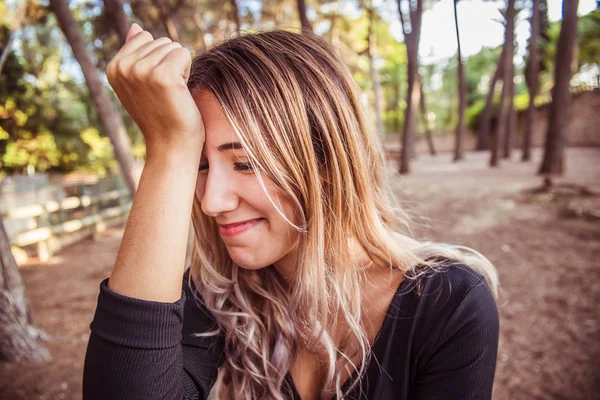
<point>546,247</point>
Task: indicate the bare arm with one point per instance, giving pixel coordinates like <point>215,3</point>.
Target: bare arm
<point>137,347</point>
<point>150,262</point>
<point>150,78</point>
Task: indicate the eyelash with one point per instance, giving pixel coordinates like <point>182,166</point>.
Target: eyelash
<point>241,167</point>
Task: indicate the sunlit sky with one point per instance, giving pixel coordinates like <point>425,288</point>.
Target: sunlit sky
<point>478,24</point>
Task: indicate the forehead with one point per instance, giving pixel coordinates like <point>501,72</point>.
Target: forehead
<point>217,128</point>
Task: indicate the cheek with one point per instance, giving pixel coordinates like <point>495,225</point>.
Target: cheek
<point>280,224</point>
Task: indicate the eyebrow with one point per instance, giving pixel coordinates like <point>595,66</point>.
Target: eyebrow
<point>230,146</point>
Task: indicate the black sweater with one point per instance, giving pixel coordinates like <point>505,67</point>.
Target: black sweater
<point>439,340</point>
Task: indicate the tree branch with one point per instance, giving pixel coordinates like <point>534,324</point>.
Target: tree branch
<point>399,2</point>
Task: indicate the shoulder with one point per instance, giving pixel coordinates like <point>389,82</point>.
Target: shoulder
<point>448,334</point>
<point>442,292</point>
<point>450,283</point>
<point>452,305</point>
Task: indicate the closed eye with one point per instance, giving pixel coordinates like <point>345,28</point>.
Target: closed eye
<point>239,166</point>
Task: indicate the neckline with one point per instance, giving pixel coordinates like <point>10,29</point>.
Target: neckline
<point>382,330</point>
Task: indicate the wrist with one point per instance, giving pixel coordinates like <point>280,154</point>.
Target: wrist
<point>181,155</point>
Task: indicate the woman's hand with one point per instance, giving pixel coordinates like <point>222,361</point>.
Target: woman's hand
<point>150,78</point>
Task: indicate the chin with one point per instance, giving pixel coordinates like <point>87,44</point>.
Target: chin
<point>247,262</point>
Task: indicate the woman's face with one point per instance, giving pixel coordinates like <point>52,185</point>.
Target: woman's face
<point>230,192</point>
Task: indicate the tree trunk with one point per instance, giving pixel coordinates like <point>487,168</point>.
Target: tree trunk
<point>333,18</point>
<point>462,96</point>
<point>371,51</point>
<point>425,121</point>
<point>236,16</point>
<point>553,161</point>
<point>397,96</point>
<point>115,10</point>
<point>412,94</point>
<point>485,121</point>
<point>500,127</point>
<point>510,123</point>
<point>513,123</point>
<point>7,49</point>
<point>170,27</point>
<point>509,75</point>
<point>109,118</point>
<point>19,338</point>
<point>506,102</point>
<point>408,133</point>
<point>533,68</point>
<point>306,26</point>
<point>200,41</point>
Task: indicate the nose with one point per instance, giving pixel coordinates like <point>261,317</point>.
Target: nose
<point>219,195</point>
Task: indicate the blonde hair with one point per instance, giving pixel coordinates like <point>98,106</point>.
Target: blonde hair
<point>295,107</point>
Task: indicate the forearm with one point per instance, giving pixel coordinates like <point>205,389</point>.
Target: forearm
<point>135,350</point>
<point>150,261</point>
<point>146,370</point>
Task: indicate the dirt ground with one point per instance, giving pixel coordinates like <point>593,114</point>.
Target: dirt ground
<point>546,247</point>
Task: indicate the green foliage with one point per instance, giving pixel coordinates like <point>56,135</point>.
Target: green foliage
<point>390,61</point>
<point>588,51</point>
<point>47,119</point>
<point>521,101</point>
<point>40,151</point>
<point>473,114</point>
<point>42,109</point>
<point>101,153</point>
<point>589,38</point>
<point>478,66</point>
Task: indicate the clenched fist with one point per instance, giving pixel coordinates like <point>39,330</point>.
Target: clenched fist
<point>150,78</point>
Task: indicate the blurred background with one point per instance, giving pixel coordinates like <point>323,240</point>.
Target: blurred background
<point>489,112</point>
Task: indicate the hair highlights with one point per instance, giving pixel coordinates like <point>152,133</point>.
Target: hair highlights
<point>294,105</point>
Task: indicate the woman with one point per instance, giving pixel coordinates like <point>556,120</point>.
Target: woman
<point>301,284</point>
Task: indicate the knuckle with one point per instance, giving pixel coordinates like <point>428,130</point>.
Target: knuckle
<point>163,40</point>
<point>173,46</point>
<point>110,69</point>
<point>138,71</point>
<point>158,43</point>
<point>182,51</point>
<point>178,53</point>
<point>120,69</point>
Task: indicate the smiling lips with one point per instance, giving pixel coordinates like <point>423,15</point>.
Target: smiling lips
<point>238,227</point>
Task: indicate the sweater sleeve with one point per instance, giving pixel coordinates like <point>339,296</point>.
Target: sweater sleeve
<point>461,362</point>
<point>139,349</point>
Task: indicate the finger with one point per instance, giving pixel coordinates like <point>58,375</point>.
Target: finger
<point>186,57</point>
<point>179,57</point>
<point>146,48</point>
<point>151,61</point>
<point>134,29</point>
<point>134,43</point>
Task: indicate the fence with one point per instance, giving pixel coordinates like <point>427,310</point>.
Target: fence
<point>42,217</point>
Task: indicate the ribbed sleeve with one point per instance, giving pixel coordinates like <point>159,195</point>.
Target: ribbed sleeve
<point>131,322</point>
<point>135,349</point>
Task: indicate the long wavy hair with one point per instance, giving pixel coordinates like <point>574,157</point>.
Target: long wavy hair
<point>295,107</point>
